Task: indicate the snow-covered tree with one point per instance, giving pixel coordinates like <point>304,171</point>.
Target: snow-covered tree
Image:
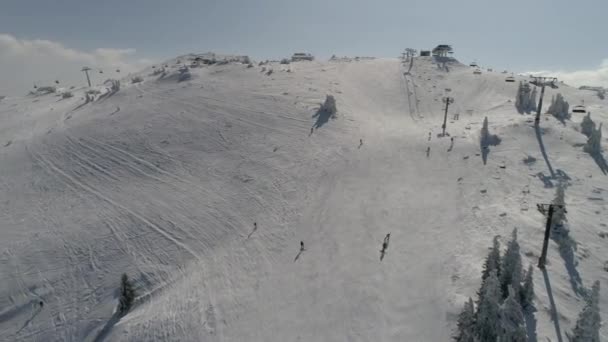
<point>492,262</point>
<point>511,267</point>
<point>559,215</point>
<point>329,106</point>
<point>594,143</point>
<point>466,323</point>
<point>512,327</point>
<point>587,125</point>
<point>521,98</point>
<point>587,327</point>
<point>127,294</point>
<point>527,290</point>
<point>532,101</point>
<point>487,323</point>
<point>559,108</point>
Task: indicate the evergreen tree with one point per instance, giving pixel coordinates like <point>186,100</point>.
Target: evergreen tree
<point>519,98</point>
<point>587,125</point>
<point>527,290</point>
<point>559,108</point>
<point>492,260</point>
<point>492,263</point>
<point>127,295</point>
<point>532,101</point>
<point>587,327</point>
<point>466,323</point>
<point>512,319</point>
<point>594,143</point>
<point>487,323</point>
<point>511,267</point>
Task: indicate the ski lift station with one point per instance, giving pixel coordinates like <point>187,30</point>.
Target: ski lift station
<point>302,56</point>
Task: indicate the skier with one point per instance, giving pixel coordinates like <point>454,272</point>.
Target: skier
<point>41,304</point>
<point>428,151</point>
<point>301,246</point>
<point>429,136</point>
<point>360,143</point>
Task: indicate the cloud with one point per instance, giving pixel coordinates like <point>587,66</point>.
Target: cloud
<point>592,77</point>
<point>24,63</point>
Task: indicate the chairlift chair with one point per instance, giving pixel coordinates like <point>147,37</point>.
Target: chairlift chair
<point>579,109</point>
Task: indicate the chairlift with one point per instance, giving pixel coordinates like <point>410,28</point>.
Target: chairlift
<point>579,108</point>
<point>510,79</point>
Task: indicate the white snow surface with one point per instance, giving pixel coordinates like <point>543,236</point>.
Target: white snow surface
<point>164,181</point>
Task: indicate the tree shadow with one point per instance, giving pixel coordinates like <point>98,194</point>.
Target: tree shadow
<point>486,140</point>
<point>600,161</point>
<point>554,316</point>
<point>560,234</point>
<point>103,334</point>
<point>530,323</point>
<point>322,116</point>
<point>539,137</point>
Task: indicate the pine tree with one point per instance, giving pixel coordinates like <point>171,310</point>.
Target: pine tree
<point>492,263</point>
<point>532,101</point>
<point>492,260</point>
<point>587,125</point>
<point>511,267</point>
<point>127,295</point>
<point>488,313</point>
<point>512,319</point>
<point>587,327</point>
<point>559,108</point>
<point>594,143</point>
<point>527,290</point>
<point>519,98</point>
<point>466,323</point>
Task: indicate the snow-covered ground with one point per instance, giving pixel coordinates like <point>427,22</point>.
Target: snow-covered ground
<point>164,180</point>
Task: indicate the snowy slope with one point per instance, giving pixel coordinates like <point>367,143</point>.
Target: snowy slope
<point>164,180</point>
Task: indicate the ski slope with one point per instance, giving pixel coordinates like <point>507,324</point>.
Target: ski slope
<point>164,180</point>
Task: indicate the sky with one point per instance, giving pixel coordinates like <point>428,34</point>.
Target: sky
<point>41,40</point>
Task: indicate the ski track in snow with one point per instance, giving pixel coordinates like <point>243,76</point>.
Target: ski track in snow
<point>163,181</point>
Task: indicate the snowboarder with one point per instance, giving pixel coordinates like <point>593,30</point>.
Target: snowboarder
<point>301,246</point>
